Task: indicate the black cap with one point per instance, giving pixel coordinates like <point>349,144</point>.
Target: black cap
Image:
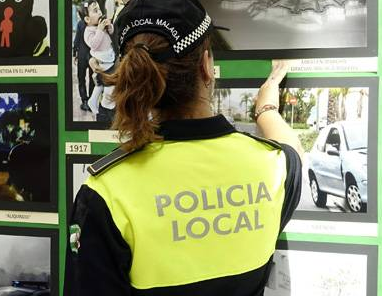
<point>184,23</point>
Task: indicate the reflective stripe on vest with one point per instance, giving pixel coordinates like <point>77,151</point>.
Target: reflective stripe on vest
<point>196,210</point>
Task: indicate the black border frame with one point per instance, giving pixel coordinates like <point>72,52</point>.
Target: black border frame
<point>52,206</point>
<point>54,249</point>
<point>371,50</point>
<point>50,60</point>
<point>72,159</point>
<point>370,250</point>
<point>372,170</point>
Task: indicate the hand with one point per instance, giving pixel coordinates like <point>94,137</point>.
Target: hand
<point>75,61</point>
<point>102,24</point>
<point>269,91</point>
<point>107,22</point>
<point>94,65</point>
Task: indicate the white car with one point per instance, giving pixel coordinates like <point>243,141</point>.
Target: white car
<point>337,164</point>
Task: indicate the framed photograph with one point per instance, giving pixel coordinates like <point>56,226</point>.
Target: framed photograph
<point>28,261</point>
<point>336,120</point>
<point>28,42</point>
<point>76,175</point>
<point>28,147</point>
<point>333,269</point>
<point>293,29</point>
<point>87,99</point>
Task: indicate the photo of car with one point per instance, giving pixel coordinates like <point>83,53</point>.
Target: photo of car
<point>337,164</point>
<point>26,288</point>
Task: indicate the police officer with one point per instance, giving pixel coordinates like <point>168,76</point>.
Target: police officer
<point>187,206</point>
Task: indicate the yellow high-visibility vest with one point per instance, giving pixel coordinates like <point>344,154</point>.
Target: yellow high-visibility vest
<point>198,209</point>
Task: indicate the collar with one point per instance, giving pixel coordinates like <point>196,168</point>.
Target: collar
<point>195,129</point>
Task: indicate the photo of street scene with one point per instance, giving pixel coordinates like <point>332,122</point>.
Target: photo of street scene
<point>288,24</point>
<point>25,147</point>
<point>327,274</point>
<point>25,265</point>
<point>89,99</point>
<point>25,29</point>
<point>329,122</point>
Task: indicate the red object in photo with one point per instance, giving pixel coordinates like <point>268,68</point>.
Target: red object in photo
<point>293,100</point>
<point>6,27</point>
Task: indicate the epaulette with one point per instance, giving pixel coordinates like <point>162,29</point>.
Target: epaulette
<point>107,161</point>
<point>273,143</point>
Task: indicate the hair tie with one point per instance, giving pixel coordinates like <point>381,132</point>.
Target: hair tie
<point>143,46</point>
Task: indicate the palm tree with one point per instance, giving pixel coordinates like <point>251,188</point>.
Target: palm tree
<point>334,94</point>
<point>220,94</point>
<point>342,111</point>
<point>363,93</point>
<point>245,99</point>
<point>317,99</point>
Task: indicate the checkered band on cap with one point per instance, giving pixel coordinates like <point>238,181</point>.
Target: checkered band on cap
<point>184,43</point>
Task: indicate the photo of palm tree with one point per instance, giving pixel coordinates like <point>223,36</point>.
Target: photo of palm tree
<point>236,104</point>
<point>329,122</point>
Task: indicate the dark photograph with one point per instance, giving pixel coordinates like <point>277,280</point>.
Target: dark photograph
<point>328,121</point>
<point>333,269</point>
<point>28,265</point>
<point>276,25</point>
<point>89,103</point>
<point>28,32</point>
<point>27,148</point>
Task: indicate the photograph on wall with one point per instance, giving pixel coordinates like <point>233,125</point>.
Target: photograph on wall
<point>329,116</point>
<point>28,262</point>
<point>76,175</point>
<point>293,29</point>
<point>88,100</point>
<point>333,269</point>
<point>28,33</point>
<point>28,148</point>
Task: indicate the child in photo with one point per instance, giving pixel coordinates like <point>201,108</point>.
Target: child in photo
<point>97,37</point>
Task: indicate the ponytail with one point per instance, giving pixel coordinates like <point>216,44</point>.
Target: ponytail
<point>146,90</point>
<point>139,83</point>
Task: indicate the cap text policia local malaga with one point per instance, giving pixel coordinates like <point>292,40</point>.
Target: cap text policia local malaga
<point>184,23</point>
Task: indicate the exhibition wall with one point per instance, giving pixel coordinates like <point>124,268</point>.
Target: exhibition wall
<point>331,98</point>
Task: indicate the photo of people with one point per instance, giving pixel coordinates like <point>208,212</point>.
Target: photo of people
<point>93,53</point>
<point>25,265</point>
<point>26,30</point>
<point>329,122</point>
<point>25,147</point>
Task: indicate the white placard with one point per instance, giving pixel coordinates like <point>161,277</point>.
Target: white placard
<point>368,64</point>
<point>29,217</point>
<point>217,71</point>
<point>77,148</point>
<point>28,71</point>
<point>332,227</point>
<point>102,136</point>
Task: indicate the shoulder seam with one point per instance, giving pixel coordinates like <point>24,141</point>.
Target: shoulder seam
<point>270,142</point>
<point>107,161</point>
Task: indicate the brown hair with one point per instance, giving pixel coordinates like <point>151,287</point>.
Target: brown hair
<point>143,86</point>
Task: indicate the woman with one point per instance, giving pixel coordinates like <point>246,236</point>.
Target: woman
<point>187,206</point>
